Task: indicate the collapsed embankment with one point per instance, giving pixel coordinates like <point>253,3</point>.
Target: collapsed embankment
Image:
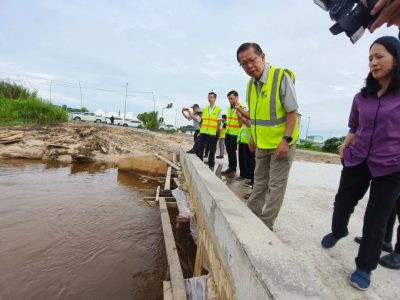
<point>83,142</point>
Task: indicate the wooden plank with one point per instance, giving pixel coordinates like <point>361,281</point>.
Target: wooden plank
<point>158,193</point>
<point>167,288</point>
<point>153,203</point>
<point>174,157</point>
<point>175,271</point>
<point>167,161</point>
<point>167,185</point>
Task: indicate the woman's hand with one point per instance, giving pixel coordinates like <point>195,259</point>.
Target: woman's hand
<point>342,148</point>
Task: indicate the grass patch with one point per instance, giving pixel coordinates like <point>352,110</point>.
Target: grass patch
<point>19,106</point>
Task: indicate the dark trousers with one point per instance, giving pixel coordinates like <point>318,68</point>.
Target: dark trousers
<point>195,145</point>
<point>231,145</point>
<point>384,192</point>
<point>247,162</point>
<point>196,133</point>
<point>390,226</point>
<point>211,142</point>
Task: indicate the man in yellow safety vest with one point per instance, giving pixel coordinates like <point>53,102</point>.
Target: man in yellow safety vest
<point>209,128</point>
<point>221,142</point>
<point>272,103</point>
<point>232,131</point>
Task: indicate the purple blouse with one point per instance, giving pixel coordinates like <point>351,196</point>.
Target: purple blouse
<point>376,125</point>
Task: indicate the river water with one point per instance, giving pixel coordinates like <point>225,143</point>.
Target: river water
<point>77,232</point>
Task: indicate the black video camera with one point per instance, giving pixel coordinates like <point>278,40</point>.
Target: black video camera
<point>351,16</point>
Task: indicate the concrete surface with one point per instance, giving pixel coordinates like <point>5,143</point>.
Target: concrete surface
<point>305,218</point>
<point>258,264</point>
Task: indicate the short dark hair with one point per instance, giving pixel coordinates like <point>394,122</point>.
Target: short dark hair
<point>232,92</point>
<point>213,93</point>
<point>246,46</point>
<point>372,86</point>
<point>224,116</point>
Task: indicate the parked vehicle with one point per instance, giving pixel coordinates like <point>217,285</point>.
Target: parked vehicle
<point>87,116</point>
<point>117,120</point>
<point>130,123</point>
<point>167,127</point>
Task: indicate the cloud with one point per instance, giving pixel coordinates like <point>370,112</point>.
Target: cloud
<point>179,50</point>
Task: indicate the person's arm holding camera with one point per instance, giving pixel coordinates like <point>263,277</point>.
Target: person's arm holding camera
<point>390,13</point>
<point>185,115</point>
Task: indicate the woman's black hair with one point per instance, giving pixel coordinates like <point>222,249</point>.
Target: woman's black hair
<point>372,86</point>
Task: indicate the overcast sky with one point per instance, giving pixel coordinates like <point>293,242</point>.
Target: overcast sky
<point>179,50</point>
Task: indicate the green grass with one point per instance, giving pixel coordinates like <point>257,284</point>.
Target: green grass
<point>310,147</point>
<point>19,106</point>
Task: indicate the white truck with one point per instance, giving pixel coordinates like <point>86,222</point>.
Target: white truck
<point>87,116</point>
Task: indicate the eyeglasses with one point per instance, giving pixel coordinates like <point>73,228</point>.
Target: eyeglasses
<point>251,61</point>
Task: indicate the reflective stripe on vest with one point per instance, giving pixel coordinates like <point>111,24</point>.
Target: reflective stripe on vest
<point>244,135</point>
<point>210,122</point>
<point>267,114</point>
<point>232,123</point>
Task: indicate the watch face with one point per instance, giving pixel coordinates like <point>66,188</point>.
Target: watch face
<point>288,139</point>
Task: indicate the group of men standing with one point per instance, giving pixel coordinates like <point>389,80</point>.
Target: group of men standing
<point>266,129</point>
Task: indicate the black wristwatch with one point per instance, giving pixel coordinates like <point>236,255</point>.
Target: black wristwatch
<point>288,139</point>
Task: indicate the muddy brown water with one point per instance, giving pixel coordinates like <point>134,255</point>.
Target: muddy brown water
<point>77,232</point>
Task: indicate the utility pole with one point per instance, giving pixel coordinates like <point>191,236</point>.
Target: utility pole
<point>176,115</point>
<point>80,88</point>
<point>51,82</point>
<point>154,102</point>
<point>126,96</point>
<point>308,125</point>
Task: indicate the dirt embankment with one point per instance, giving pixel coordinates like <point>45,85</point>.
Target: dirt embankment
<point>83,142</point>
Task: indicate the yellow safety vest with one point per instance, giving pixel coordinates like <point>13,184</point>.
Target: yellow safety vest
<point>232,122</point>
<point>267,114</point>
<point>210,122</point>
<point>244,135</point>
<point>223,131</point>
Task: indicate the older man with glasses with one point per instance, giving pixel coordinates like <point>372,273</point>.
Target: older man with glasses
<point>271,99</point>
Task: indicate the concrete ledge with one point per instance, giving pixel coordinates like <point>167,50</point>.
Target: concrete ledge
<point>246,259</point>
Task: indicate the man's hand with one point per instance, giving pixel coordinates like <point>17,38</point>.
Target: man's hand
<point>252,145</point>
<point>236,103</point>
<point>282,150</point>
<point>390,13</point>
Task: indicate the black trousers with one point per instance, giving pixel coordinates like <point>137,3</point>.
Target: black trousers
<point>211,142</point>
<point>231,146</point>
<point>390,226</point>
<point>384,192</point>
<point>196,133</point>
<point>247,162</point>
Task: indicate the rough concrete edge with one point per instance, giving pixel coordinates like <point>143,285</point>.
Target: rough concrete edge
<point>259,264</point>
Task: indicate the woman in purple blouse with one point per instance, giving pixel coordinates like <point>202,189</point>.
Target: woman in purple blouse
<point>371,158</point>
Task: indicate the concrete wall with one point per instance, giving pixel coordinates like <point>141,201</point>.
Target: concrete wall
<point>246,259</point>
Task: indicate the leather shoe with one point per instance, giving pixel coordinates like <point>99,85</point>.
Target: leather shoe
<point>387,247</point>
<point>191,151</point>
<point>219,156</point>
<point>391,261</point>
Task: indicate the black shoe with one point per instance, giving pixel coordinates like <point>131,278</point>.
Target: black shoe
<point>219,156</point>
<point>391,261</point>
<point>385,246</point>
<point>191,151</point>
<point>211,168</point>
